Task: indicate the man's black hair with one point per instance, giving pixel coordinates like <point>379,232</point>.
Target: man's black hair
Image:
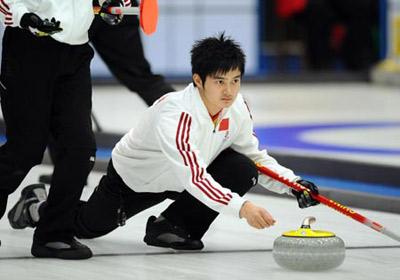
<point>216,55</point>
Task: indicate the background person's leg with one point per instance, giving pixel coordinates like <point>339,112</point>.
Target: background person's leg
<point>360,18</point>
<point>27,77</point>
<point>74,141</point>
<point>120,47</point>
<point>318,19</point>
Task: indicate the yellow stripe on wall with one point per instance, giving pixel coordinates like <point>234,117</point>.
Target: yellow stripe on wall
<point>396,36</point>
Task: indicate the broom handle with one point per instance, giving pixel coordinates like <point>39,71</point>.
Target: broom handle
<point>330,203</point>
<point>119,10</point>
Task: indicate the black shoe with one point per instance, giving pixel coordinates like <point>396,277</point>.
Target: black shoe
<point>19,216</point>
<point>73,250</point>
<point>164,234</point>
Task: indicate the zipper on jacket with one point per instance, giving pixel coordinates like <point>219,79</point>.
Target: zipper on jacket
<point>215,121</point>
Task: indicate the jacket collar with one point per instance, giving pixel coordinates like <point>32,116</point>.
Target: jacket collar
<point>199,105</point>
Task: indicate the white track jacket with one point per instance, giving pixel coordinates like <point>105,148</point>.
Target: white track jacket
<point>176,140</point>
<point>75,16</point>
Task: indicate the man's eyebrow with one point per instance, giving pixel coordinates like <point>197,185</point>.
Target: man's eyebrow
<point>218,77</point>
<point>223,78</point>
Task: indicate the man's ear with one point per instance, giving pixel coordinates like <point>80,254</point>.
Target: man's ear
<point>197,80</point>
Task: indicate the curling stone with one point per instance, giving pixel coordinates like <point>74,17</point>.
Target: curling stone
<point>308,250</point>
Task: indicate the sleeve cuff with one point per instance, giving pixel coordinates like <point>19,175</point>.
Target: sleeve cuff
<point>234,206</point>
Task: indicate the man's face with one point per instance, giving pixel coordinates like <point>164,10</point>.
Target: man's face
<point>220,90</point>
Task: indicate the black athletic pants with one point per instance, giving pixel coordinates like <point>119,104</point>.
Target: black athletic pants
<point>46,90</point>
<point>99,215</point>
<point>120,47</point>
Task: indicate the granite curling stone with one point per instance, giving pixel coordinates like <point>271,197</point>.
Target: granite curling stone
<point>308,250</point>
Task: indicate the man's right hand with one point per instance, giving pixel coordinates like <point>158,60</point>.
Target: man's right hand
<point>38,26</point>
<point>256,216</point>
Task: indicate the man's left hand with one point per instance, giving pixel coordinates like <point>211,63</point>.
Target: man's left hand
<point>304,198</point>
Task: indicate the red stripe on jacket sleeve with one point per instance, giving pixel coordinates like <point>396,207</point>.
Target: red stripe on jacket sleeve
<point>190,160</point>
<point>206,181</point>
<point>5,5</point>
<point>178,131</point>
<point>4,11</point>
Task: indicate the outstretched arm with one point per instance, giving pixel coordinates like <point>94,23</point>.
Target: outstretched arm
<point>247,143</point>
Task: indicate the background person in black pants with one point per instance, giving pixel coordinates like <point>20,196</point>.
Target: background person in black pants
<point>46,90</point>
<point>120,47</point>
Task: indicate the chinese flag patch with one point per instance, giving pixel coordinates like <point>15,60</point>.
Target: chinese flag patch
<point>224,125</point>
